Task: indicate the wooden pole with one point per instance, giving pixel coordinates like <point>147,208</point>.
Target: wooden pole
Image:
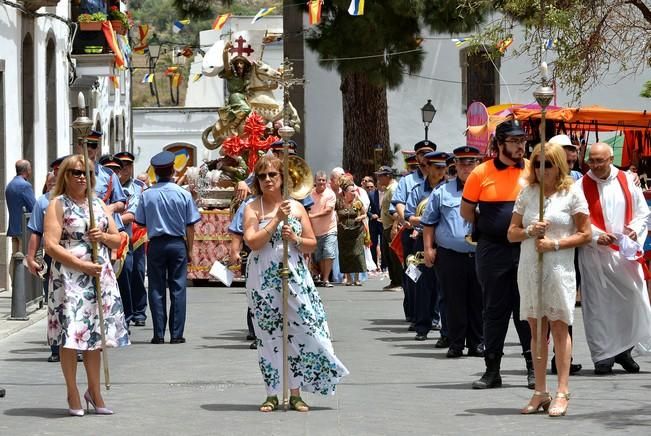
<point>98,286</point>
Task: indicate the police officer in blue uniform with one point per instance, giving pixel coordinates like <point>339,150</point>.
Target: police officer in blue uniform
<point>446,247</point>
<point>168,212</point>
<point>426,292</point>
<point>236,230</point>
<point>399,201</point>
<point>36,226</point>
<point>133,189</point>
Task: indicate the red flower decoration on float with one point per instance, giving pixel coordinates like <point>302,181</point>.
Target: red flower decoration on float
<point>233,146</point>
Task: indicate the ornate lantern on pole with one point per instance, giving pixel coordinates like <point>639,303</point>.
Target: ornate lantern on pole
<point>427,112</point>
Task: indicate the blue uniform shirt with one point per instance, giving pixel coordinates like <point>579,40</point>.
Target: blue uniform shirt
<point>37,221</point>
<point>134,201</point>
<point>418,193</point>
<point>166,209</point>
<point>237,223</point>
<point>18,193</point>
<point>102,177</point>
<point>442,211</point>
<point>405,185</point>
<point>576,175</point>
<point>133,188</point>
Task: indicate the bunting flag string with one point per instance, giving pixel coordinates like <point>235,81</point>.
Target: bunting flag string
<point>170,70</point>
<point>143,31</point>
<point>548,44</point>
<point>116,81</point>
<point>503,44</point>
<point>220,21</point>
<point>356,7</point>
<point>314,8</point>
<point>179,25</point>
<point>262,13</point>
<point>148,78</point>
<point>177,78</point>
<point>109,35</point>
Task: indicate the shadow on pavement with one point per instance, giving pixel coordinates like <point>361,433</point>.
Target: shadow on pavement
<point>616,419</point>
<point>385,321</point>
<point>248,408</point>
<point>388,329</point>
<point>38,412</point>
<point>430,355</point>
<point>226,347</point>
<point>462,386</point>
<point>395,339</point>
<point>29,359</point>
<point>30,350</point>
<point>494,411</point>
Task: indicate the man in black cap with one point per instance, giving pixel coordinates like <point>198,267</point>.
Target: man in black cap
<point>399,201</point>
<point>385,179</point>
<point>168,212</point>
<point>133,189</point>
<point>492,189</point>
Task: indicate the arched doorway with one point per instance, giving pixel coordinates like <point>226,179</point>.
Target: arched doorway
<point>51,99</point>
<point>27,98</point>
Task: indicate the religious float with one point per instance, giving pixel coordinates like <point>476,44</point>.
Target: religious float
<point>245,128</point>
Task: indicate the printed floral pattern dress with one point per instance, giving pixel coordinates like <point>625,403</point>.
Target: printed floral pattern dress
<point>313,366</point>
<point>73,320</point>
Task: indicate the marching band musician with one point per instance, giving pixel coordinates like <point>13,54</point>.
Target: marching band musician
<point>426,288</point>
<point>444,238</point>
<point>399,200</point>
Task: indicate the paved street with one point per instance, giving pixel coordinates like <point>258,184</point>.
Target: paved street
<point>211,384</point>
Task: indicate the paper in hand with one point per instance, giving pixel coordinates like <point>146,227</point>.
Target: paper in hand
<point>221,273</point>
<point>628,248</point>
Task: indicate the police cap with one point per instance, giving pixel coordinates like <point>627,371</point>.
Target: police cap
<point>424,146</point>
<point>438,158</point>
<point>163,159</point>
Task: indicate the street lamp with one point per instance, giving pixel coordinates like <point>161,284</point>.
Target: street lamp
<point>428,111</point>
<point>154,47</point>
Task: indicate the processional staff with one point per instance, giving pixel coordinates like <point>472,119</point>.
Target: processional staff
<point>82,126</point>
<point>286,81</point>
<point>543,95</point>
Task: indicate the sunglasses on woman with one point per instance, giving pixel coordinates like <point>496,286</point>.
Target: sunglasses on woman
<point>548,164</point>
<point>270,175</point>
<point>77,173</point>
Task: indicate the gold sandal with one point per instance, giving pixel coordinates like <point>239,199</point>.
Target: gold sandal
<point>297,403</point>
<point>555,411</point>
<point>544,404</point>
<point>270,404</point>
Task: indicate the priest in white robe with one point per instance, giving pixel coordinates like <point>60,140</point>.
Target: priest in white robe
<point>615,303</point>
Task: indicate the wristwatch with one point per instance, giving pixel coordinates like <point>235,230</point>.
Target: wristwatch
<point>557,245</point>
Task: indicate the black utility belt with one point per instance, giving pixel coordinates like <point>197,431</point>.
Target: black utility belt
<point>458,253</point>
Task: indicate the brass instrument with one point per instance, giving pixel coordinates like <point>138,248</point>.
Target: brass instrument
<point>301,180</point>
<point>420,209</point>
<point>416,259</point>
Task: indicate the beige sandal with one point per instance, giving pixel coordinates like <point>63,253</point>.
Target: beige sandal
<point>555,410</point>
<point>543,405</point>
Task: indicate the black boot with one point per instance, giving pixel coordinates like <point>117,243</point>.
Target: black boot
<point>491,378</point>
<point>531,377</point>
<point>626,360</point>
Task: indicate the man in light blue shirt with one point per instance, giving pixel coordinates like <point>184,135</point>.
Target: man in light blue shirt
<point>426,289</point>
<point>446,247</point>
<point>399,202</point>
<point>168,212</point>
<point>19,195</point>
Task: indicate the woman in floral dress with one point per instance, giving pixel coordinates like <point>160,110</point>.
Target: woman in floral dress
<point>351,232</point>
<point>73,318</point>
<point>313,366</point>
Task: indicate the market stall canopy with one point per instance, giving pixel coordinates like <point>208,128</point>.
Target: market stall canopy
<point>599,118</point>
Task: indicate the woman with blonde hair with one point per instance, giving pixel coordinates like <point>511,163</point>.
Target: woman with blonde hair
<point>269,223</point>
<point>351,232</point>
<point>566,225</point>
<point>73,318</point>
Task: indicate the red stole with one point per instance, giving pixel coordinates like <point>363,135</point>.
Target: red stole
<point>591,192</point>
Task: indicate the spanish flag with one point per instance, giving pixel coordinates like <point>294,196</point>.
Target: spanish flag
<point>138,236</point>
<point>356,7</point>
<point>220,21</point>
<point>112,41</point>
<point>143,30</point>
<point>314,8</point>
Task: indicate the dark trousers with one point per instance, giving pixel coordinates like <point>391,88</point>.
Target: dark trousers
<point>407,283</point>
<point>497,270</point>
<point>249,322</point>
<point>425,299</point>
<point>54,349</point>
<point>138,291</point>
<point>167,263</point>
<point>392,261</point>
<point>375,229</point>
<point>124,283</point>
<point>462,293</point>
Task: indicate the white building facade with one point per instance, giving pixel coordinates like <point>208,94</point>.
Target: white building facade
<point>40,76</point>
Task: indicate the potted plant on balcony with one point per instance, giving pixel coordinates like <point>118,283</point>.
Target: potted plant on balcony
<point>91,22</point>
<point>119,20</point>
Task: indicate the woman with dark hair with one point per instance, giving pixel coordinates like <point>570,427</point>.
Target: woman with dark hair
<point>351,232</point>
<point>270,222</point>
<point>73,318</point>
<point>566,225</point>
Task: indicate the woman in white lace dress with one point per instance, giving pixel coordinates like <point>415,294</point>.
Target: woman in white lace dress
<point>566,225</point>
